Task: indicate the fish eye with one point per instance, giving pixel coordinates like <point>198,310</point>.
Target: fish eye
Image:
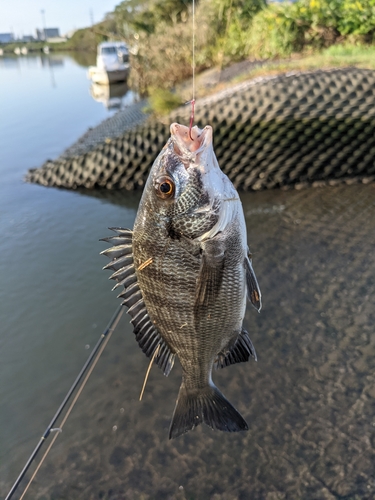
<point>165,187</point>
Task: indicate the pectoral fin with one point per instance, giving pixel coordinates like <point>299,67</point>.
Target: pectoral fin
<point>210,274</point>
<point>253,291</point>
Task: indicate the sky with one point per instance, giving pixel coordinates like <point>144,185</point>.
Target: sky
<point>22,17</point>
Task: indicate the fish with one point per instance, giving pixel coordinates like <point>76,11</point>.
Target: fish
<point>187,273</point>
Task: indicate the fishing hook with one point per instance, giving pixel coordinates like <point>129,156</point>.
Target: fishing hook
<point>192,102</point>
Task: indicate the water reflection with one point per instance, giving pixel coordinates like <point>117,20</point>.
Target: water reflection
<point>119,197</point>
<point>51,60</point>
<point>84,59</point>
<point>9,62</point>
<point>111,96</point>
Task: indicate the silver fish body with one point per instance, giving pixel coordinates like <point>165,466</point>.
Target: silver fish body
<point>186,272</point>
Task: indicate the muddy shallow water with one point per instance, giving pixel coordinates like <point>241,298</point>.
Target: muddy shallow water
<point>309,400</point>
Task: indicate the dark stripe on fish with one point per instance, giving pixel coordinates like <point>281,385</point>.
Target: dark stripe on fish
<point>146,333</point>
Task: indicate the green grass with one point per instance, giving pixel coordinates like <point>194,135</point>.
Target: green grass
<point>357,54</point>
<point>162,101</point>
<point>336,56</point>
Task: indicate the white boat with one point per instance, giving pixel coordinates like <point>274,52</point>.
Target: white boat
<point>24,51</point>
<point>112,63</point>
<point>17,51</point>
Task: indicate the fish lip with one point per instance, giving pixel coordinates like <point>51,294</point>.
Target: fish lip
<point>190,144</point>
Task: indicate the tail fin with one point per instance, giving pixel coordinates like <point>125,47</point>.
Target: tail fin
<point>207,405</point>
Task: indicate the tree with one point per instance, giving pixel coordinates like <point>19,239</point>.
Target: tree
<point>145,15</point>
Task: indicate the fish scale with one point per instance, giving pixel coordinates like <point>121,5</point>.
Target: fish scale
<point>187,289</point>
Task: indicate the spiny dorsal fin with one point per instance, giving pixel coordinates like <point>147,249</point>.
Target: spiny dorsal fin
<point>240,352</point>
<point>146,334</point>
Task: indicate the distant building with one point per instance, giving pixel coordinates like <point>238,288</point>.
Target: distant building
<point>27,38</point>
<point>46,33</point>
<point>6,37</point>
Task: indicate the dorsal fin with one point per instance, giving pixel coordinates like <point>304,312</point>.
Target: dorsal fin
<point>146,334</point>
<point>239,352</point>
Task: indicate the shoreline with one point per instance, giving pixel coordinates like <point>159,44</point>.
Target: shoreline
<point>110,128</point>
<point>278,131</point>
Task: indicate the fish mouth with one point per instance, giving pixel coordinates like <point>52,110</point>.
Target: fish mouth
<point>190,143</point>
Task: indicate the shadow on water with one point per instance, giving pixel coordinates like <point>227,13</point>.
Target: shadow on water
<point>120,197</point>
<point>83,58</point>
<point>309,400</point>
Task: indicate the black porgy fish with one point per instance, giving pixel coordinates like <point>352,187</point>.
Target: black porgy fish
<point>186,271</point>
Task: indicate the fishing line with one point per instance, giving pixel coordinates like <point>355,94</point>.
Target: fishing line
<point>98,349</point>
<point>192,102</point>
<point>193,99</point>
<point>148,371</point>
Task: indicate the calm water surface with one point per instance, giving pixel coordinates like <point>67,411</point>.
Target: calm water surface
<point>310,399</point>
<point>49,307</point>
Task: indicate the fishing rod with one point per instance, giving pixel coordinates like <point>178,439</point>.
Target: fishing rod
<point>99,347</point>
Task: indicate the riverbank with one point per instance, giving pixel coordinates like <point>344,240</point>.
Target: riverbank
<point>335,57</point>
<point>281,131</point>
<point>135,114</point>
<point>109,129</point>
<point>214,80</point>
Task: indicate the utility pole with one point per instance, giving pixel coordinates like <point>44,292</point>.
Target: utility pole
<point>44,24</point>
<point>92,17</point>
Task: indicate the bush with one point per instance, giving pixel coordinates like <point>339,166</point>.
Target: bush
<point>229,30</point>
<point>357,17</point>
<point>84,39</point>
<point>282,29</point>
<point>345,17</point>
<point>229,22</point>
<point>275,31</point>
<point>163,101</point>
<point>164,58</point>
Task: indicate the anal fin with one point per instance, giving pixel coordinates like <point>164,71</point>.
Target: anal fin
<point>240,352</point>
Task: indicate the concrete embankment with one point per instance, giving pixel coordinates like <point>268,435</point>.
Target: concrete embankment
<point>290,130</point>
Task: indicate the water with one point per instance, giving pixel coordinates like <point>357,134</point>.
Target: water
<point>309,400</point>
<point>45,288</point>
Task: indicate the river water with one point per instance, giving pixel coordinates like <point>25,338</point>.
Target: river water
<point>309,400</point>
